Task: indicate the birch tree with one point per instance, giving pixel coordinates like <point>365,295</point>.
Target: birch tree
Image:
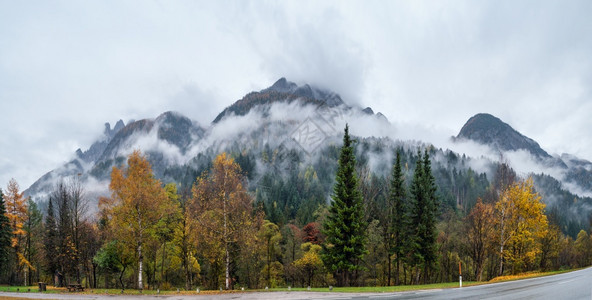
<point>138,201</point>
<point>223,210</point>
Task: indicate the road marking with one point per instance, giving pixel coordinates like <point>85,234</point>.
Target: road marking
<point>566,281</point>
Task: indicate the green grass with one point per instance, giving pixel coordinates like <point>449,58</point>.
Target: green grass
<point>366,289</point>
<point>21,289</point>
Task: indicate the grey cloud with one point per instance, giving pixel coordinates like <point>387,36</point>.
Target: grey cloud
<point>428,66</point>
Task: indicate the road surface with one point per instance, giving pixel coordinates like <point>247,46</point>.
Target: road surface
<point>572,285</point>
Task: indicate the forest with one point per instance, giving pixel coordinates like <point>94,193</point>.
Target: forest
<point>337,222</point>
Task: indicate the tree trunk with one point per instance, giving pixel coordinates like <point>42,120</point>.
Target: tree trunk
<point>501,268</point>
<point>397,274</point>
<point>227,268</point>
<point>94,272</point>
<point>404,274</point>
<point>226,241</point>
<point>186,267</point>
<point>269,263</point>
<point>140,267</point>
<point>107,280</point>
<point>162,263</point>
<point>479,271</point>
<point>388,281</point>
<point>121,277</point>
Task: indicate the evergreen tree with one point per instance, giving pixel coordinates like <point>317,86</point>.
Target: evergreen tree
<point>430,247</point>
<point>50,240</point>
<point>399,217</point>
<point>64,243</point>
<point>417,215</point>
<point>5,235</point>
<point>32,226</point>
<point>345,226</point>
<point>423,217</point>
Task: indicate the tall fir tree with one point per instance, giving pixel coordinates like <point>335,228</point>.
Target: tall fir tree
<point>5,235</point>
<point>50,239</point>
<point>399,226</point>
<point>423,217</point>
<point>417,215</point>
<point>32,227</point>
<point>345,226</point>
<point>64,246</point>
<point>430,247</point>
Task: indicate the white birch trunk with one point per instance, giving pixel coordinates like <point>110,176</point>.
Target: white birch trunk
<point>140,267</point>
<point>225,199</point>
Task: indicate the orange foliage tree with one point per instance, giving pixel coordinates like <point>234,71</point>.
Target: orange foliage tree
<point>16,211</point>
<point>223,212</point>
<point>138,201</point>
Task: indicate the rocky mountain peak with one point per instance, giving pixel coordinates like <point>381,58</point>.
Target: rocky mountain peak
<point>490,130</point>
<point>111,132</point>
<point>281,91</point>
<point>283,86</point>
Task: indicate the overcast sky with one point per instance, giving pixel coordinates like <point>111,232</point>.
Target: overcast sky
<point>67,67</point>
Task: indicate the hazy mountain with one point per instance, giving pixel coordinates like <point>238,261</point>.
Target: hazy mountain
<point>489,130</point>
<point>493,132</point>
<point>282,91</point>
<point>169,132</point>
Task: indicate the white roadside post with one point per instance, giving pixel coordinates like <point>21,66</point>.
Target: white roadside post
<point>459,274</point>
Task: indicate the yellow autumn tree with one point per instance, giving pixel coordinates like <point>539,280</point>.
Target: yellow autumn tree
<point>223,213</point>
<point>310,262</point>
<point>583,248</point>
<point>16,211</point>
<point>521,224</point>
<point>137,202</point>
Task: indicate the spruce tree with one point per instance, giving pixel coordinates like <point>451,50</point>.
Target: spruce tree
<point>345,226</point>
<point>32,228</point>
<point>423,217</point>
<point>50,240</point>
<point>430,249</point>
<point>417,218</point>
<point>5,235</point>
<point>399,217</point>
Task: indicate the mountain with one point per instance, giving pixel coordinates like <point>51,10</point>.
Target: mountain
<point>169,133</point>
<point>97,148</point>
<point>493,132</point>
<point>286,139</point>
<point>489,130</point>
<point>282,91</point>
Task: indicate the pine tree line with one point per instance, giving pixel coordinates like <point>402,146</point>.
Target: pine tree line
<point>412,217</point>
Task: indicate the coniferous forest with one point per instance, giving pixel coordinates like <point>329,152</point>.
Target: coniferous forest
<point>331,223</point>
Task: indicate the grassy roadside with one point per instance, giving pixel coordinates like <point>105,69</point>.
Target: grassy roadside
<point>380,289</point>
<point>529,275</point>
<point>366,289</point>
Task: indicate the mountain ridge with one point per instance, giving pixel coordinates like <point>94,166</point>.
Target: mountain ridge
<point>281,91</point>
<point>263,144</point>
<point>487,129</point>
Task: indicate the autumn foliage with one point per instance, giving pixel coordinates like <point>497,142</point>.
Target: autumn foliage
<point>223,213</point>
<point>138,201</point>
